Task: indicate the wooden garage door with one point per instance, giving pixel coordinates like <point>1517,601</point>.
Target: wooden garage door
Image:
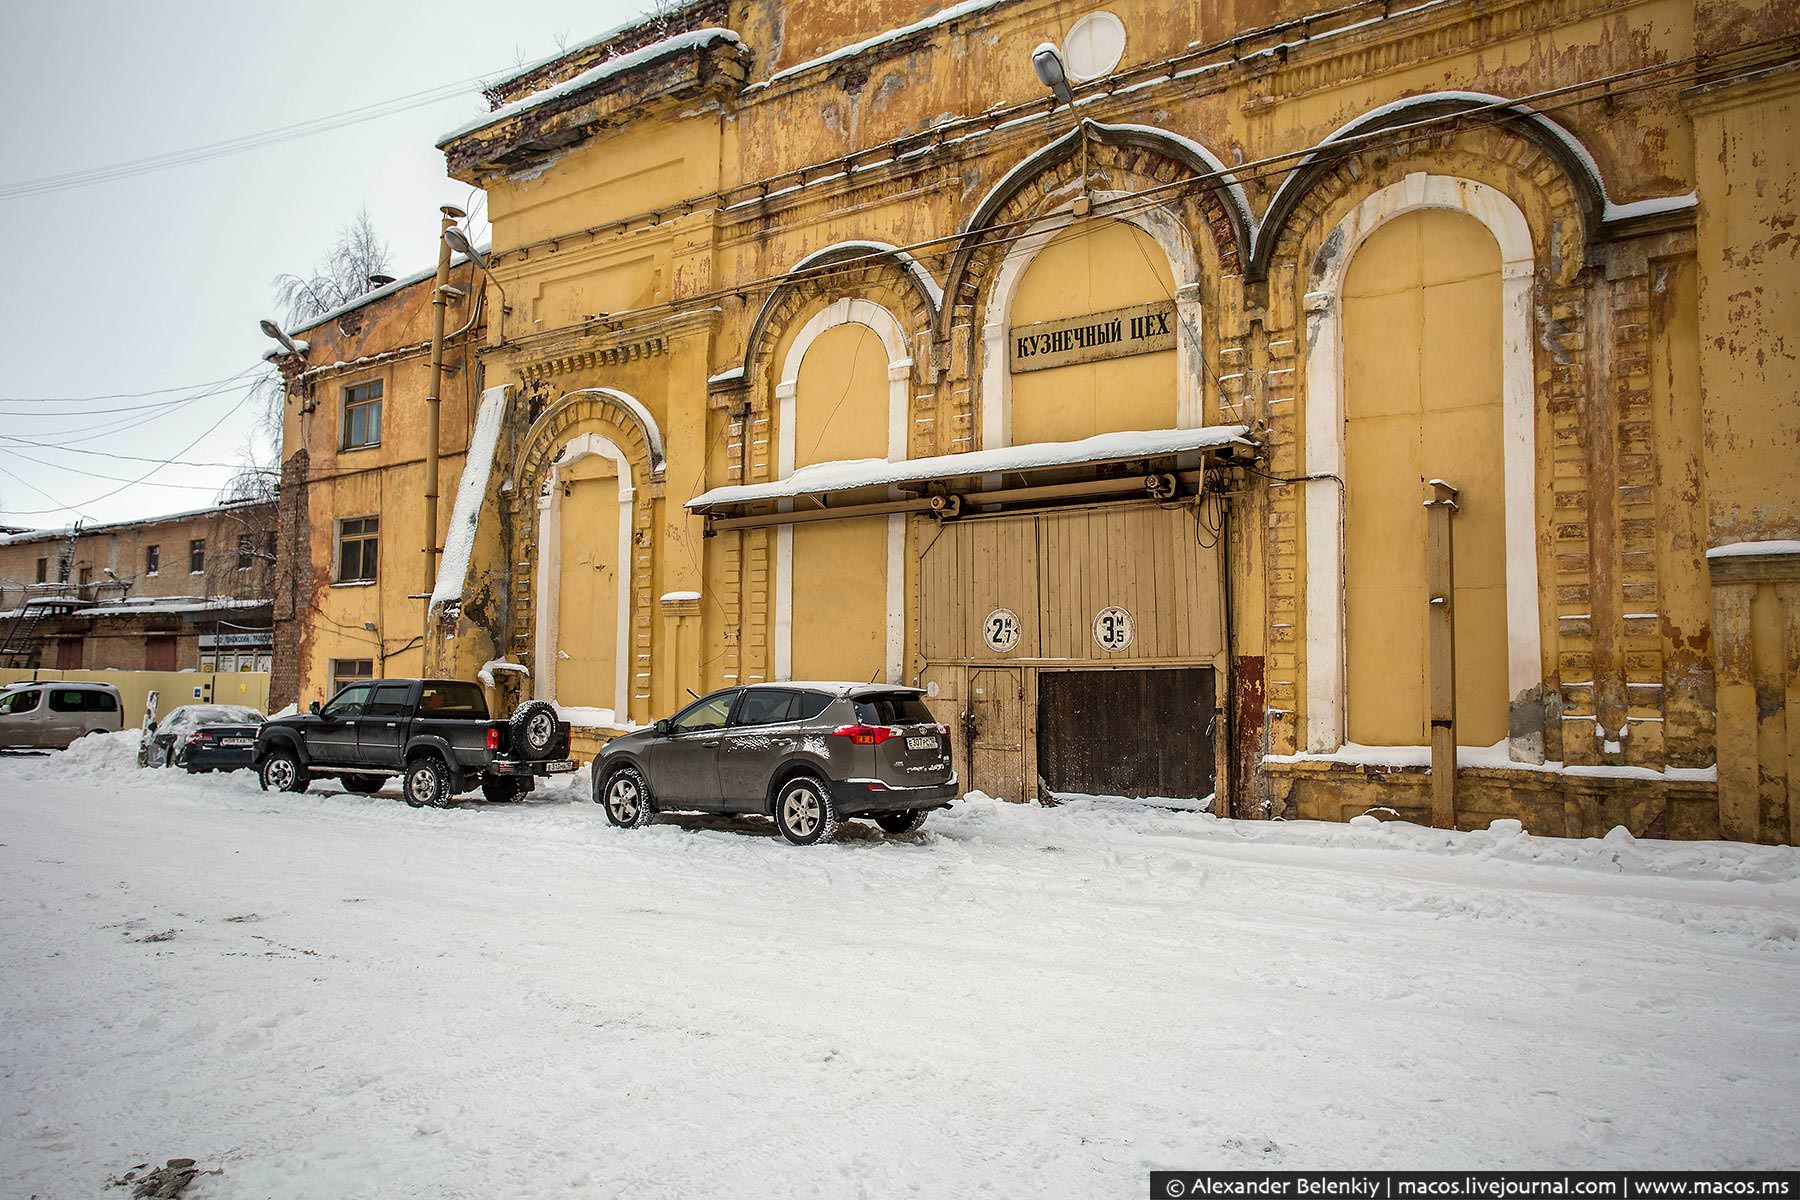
<point>1138,733</point>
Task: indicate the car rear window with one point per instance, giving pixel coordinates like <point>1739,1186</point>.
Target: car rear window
<point>901,708</point>
<point>452,700</point>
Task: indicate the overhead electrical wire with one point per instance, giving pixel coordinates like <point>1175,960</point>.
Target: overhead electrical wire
<point>1499,111</point>
<point>184,387</point>
<point>130,168</point>
<point>202,436</point>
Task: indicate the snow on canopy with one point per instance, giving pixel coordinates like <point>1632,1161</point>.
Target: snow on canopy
<point>845,474</point>
<point>1744,549</point>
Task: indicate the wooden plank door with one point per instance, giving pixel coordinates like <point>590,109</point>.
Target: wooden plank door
<point>1122,732</point>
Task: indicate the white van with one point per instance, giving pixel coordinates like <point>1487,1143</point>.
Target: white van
<point>49,715</point>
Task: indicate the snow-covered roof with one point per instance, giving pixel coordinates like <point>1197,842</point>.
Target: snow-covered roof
<point>696,39</point>
<point>942,17</point>
<point>147,605</point>
<point>380,293</point>
<point>847,474</point>
<point>46,535</point>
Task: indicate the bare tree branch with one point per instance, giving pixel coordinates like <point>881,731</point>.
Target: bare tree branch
<point>344,274</point>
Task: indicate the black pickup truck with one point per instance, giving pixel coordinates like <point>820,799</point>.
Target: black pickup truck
<point>435,732</point>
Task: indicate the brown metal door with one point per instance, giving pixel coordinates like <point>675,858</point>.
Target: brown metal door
<point>159,654</point>
<point>1138,733</point>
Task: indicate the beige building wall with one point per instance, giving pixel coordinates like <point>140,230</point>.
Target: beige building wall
<point>1549,300</point>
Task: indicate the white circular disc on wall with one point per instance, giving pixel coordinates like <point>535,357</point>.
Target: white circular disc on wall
<point>1113,629</point>
<point>1094,45</point>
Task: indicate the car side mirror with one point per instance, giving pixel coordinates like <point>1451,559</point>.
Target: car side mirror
<point>313,708</point>
<point>660,729</point>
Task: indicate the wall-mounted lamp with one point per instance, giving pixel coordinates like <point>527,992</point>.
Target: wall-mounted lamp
<point>275,331</point>
<point>458,241</point>
<point>1047,61</point>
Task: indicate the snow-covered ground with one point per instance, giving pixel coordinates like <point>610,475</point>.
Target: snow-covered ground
<point>329,995</point>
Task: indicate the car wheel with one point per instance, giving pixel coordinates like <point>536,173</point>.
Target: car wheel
<point>902,822</point>
<point>626,798</point>
<point>804,812</point>
<point>427,782</point>
<point>362,785</point>
<point>533,729</point>
<point>501,788</point>
<point>282,772</point>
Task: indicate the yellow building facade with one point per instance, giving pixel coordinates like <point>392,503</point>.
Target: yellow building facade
<point>350,595</point>
<point>826,341</point>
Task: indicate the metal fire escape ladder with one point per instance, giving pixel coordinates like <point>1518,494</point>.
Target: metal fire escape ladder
<point>21,644</point>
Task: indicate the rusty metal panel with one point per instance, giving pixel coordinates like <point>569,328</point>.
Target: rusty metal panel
<point>1138,733</point>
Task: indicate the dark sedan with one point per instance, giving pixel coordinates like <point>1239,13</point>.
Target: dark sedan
<point>205,737</point>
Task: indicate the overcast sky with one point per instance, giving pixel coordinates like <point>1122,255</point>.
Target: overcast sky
<point>156,281</point>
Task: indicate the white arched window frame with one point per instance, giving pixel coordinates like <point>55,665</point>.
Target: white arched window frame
<point>549,568</point>
<point>887,327</point>
<point>1167,231</point>
<point>1325,644</point>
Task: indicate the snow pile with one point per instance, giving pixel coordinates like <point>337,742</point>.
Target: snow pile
<point>465,514</point>
<point>486,674</point>
<point>582,717</point>
<point>1504,841</point>
<point>94,756</point>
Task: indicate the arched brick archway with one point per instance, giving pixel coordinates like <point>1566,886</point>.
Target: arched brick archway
<point>1540,218</point>
<point>616,425</point>
<point>1206,229</point>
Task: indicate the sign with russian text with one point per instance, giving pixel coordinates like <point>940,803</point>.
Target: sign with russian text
<point>1140,329</point>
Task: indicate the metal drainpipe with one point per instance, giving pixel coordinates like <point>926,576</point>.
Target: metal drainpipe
<point>1231,746</point>
<point>451,215</point>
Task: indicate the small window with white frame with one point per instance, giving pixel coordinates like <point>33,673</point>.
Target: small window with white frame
<point>152,559</point>
<point>197,556</point>
<point>362,416</point>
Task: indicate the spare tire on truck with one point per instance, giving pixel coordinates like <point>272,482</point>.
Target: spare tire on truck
<point>533,730</point>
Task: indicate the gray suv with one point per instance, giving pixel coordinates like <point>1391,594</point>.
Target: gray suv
<point>807,754</point>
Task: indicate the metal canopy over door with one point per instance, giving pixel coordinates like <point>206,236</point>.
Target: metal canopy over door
<point>1127,733</point>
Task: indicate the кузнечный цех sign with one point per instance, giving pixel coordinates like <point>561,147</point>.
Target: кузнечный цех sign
<point>1140,329</point>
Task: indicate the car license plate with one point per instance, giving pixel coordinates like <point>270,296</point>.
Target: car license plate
<point>921,743</point>
<point>234,741</point>
<point>561,766</point>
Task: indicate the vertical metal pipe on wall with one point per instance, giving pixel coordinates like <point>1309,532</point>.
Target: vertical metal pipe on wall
<point>451,215</point>
<point>1440,586</point>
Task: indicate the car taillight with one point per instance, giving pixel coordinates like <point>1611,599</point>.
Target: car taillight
<point>198,737</point>
<point>944,729</point>
<point>865,735</point>
<point>493,737</point>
